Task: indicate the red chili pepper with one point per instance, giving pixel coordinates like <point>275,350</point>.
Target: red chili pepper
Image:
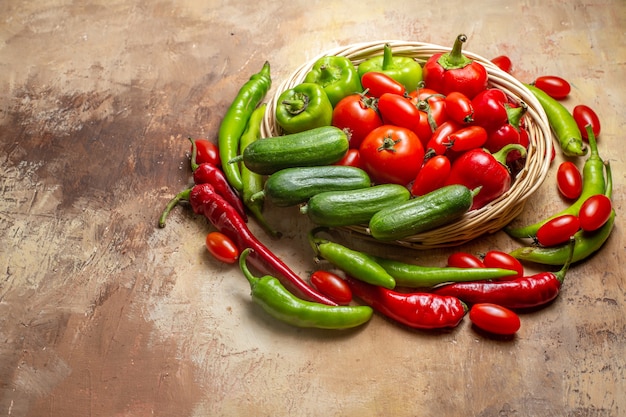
<point>527,292</point>
<point>479,168</point>
<point>416,310</point>
<point>453,71</point>
<point>205,200</point>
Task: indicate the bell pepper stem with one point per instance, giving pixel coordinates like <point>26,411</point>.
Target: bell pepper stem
<point>387,57</point>
<point>500,156</point>
<point>455,58</point>
<point>515,114</point>
<point>297,106</point>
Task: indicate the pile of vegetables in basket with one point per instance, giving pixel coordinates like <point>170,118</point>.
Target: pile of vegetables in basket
<point>401,147</point>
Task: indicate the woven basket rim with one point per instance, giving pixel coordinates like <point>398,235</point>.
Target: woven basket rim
<point>493,216</point>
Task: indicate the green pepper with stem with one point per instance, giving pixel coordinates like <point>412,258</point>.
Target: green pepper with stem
<point>337,75</point>
<point>236,119</point>
<point>253,182</point>
<point>357,264</point>
<point>403,69</point>
<point>303,107</point>
<point>586,242</point>
<point>281,304</point>
<point>593,183</point>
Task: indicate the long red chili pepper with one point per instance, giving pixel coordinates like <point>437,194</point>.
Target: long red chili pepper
<point>526,292</point>
<point>416,310</point>
<point>208,173</point>
<point>206,201</point>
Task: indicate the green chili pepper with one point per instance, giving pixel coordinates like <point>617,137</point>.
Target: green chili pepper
<point>416,276</point>
<point>586,243</point>
<point>593,183</point>
<point>251,181</point>
<point>357,264</point>
<point>337,75</point>
<point>403,69</point>
<point>281,304</point>
<point>304,107</point>
<point>236,119</point>
<point>562,123</point>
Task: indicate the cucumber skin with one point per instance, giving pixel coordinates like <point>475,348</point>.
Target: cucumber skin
<point>421,214</point>
<point>315,147</point>
<point>292,186</point>
<point>335,209</point>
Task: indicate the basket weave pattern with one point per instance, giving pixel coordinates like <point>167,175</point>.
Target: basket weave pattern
<point>495,215</point>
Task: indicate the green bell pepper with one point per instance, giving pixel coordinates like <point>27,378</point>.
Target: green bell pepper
<point>337,75</point>
<point>303,107</point>
<point>403,69</point>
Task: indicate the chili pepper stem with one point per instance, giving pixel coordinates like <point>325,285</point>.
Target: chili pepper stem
<point>315,241</point>
<point>560,274</point>
<point>244,267</point>
<point>181,196</point>
<point>194,153</point>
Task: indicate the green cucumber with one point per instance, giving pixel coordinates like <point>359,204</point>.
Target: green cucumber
<point>315,147</point>
<point>423,213</point>
<point>335,209</point>
<point>291,186</point>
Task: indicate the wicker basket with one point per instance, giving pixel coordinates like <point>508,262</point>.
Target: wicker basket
<point>495,215</point>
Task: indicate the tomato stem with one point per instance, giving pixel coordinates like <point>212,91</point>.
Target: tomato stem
<point>388,144</point>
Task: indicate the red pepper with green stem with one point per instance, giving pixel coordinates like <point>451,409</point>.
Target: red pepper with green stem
<point>207,202</point>
<point>417,310</point>
<point>453,71</point>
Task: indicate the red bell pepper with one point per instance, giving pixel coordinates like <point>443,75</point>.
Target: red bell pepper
<point>508,132</point>
<point>453,71</point>
<point>490,108</point>
<point>479,168</point>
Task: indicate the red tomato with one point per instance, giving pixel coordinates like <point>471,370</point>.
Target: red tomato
<point>467,138</point>
<point>432,175</point>
<point>351,158</point>
<point>392,154</point>
<point>558,230</point>
<point>503,62</point>
<point>207,152</point>
<point>569,180</point>
<point>555,87</point>
<point>222,248</point>
<point>357,115</point>
<point>332,286</point>
<point>464,260</point>
<point>594,212</point>
<point>459,108</point>
<point>378,83</point>
<point>494,319</point>
<point>584,115</point>
<point>432,111</point>
<point>498,259</point>
<point>439,143</point>
<point>398,110</point>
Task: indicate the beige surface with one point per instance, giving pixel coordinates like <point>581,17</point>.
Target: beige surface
<point>104,314</point>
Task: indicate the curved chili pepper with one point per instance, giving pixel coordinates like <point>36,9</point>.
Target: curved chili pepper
<point>453,71</point>
<point>355,263</point>
<point>593,183</point>
<point>526,292</point>
<point>276,300</point>
<point>206,201</point>
<point>417,310</point>
<point>235,121</point>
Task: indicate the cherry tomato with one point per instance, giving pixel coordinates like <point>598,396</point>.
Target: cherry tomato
<point>222,248</point>
<point>467,138</point>
<point>351,158</point>
<point>464,260</point>
<point>558,230</point>
<point>432,175</point>
<point>503,62</point>
<point>358,116</point>
<point>569,180</point>
<point>439,143</point>
<point>555,87</point>
<point>392,154</point>
<point>584,115</point>
<point>459,108</point>
<point>432,111</point>
<point>207,152</point>
<point>498,259</point>
<point>378,83</point>
<point>398,110</point>
<point>594,212</point>
<point>332,286</point>
<point>494,319</point>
